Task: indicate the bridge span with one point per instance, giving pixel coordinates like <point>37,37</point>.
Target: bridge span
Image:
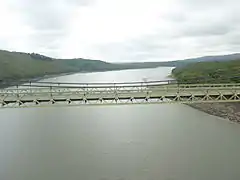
<point>40,94</point>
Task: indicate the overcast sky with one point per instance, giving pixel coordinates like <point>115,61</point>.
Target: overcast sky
<point>121,30</point>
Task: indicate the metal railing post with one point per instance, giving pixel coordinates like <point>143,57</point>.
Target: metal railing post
<point>30,86</point>
<point>178,87</point>
<point>51,91</point>
<point>17,92</point>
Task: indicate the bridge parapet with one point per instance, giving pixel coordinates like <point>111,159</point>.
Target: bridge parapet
<point>48,93</point>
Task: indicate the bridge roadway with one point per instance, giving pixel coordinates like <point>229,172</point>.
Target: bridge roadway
<point>41,94</point>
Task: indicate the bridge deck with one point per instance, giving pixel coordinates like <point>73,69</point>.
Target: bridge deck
<point>74,94</point>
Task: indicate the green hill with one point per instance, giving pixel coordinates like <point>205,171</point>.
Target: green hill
<point>16,66</point>
<point>184,62</point>
<point>209,72</point>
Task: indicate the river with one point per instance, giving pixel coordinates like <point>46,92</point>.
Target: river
<point>132,142</point>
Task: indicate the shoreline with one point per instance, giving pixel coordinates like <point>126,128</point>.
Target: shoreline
<point>8,83</point>
<point>228,111</point>
<point>35,79</point>
<point>225,110</point>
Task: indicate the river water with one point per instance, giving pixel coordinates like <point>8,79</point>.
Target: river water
<point>132,142</point>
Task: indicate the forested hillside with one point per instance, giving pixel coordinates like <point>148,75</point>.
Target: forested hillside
<point>209,72</point>
<point>16,66</point>
<point>19,66</point>
<point>184,62</point>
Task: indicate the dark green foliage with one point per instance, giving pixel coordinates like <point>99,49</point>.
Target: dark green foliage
<point>209,72</point>
<point>84,65</point>
<point>16,66</point>
<point>40,57</point>
<point>21,66</point>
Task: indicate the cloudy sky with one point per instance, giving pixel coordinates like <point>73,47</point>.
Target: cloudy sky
<point>121,30</point>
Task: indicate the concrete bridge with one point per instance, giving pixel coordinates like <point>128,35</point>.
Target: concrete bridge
<point>40,94</point>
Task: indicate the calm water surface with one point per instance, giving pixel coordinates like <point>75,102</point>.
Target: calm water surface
<point>138,142</point>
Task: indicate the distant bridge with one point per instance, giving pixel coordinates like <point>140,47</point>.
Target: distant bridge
<point>41,94</point>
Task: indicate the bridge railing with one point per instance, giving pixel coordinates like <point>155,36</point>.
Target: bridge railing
<point>134,84</point>
<point>50,89</point>
<point>167,85</point>
<point>43,93</point>
<point>90,85</point>
<point>201,81</point>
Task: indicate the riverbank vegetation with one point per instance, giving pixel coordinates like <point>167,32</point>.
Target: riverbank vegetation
<point>17,66</point>
<point>209,72</point>
<point>212,72</point>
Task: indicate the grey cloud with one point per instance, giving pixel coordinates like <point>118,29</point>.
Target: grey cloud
<point>187,39</point>
<point>48,39</point>
<point>234,39</point>
<point>197,27</point>
<point>208,32</point>
<point>149,47</point>
<point>206,23</point>
<point>206,4</point>
<point>49,20</point>
<point>207,29</point>
<point>48,14</point>
<point>175,16</point>
<point>81,2</point>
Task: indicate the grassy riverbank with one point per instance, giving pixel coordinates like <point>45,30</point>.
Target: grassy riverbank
<point>212,72</point>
